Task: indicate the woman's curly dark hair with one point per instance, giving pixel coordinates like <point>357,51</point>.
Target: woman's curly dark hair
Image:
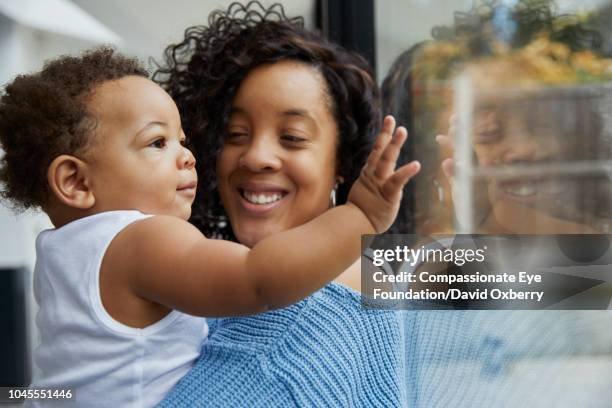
<point>44,115</point>
<point>204,71</point>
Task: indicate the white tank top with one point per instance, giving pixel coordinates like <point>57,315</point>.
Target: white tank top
<point>106,363</point>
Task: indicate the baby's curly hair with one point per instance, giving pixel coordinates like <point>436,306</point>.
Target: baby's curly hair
<point>44,115</point>
<point>204,71</point>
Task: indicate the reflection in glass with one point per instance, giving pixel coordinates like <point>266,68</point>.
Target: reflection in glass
<point>538,159</point>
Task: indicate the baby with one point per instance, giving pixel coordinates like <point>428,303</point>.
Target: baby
<point>123,281</point>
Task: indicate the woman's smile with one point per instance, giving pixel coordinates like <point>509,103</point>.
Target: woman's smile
<point>530,191</point>
<point>260,198</point>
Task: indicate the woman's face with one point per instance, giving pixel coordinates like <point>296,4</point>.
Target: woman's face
<point>278,163</point>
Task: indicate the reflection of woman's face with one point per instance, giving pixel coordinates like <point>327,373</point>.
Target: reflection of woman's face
<point>506,140</point>
<point>277,166</point>
<point>522,203</point>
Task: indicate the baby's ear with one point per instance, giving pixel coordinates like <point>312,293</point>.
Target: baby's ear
<point>69,182</point>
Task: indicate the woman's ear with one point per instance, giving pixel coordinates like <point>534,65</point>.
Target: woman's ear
<point>69,182</point>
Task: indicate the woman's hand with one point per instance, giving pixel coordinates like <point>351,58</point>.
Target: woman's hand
<point>378,190</point>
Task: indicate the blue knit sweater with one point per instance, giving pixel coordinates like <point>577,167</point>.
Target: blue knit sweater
<point>328,351</point>
<point>325,351</point>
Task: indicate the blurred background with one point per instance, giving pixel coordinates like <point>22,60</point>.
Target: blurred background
<point>32,31</point>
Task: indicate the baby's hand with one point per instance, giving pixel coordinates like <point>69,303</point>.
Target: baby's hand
<point>378,190</point>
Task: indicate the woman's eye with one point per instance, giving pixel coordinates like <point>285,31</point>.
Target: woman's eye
<point>292,139</point>
<point>158,143</point>
<point>236,137</point>
<point>485,137</point>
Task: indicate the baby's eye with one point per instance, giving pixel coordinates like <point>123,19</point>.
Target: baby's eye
<point>184,142</point>
<point>158,143</point>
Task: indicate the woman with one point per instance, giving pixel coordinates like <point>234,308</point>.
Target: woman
<point>281,122</point>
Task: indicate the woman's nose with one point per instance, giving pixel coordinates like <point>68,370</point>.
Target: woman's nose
<point>260,155</point>
<point>525,149</point>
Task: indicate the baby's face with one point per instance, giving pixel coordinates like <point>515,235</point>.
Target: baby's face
<point>137,157</point>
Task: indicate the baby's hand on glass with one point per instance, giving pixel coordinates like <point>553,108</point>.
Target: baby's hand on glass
<point>378,190</point>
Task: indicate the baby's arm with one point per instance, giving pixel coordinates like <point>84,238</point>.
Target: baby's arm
<point>168,261</point>
<point>171,263</point>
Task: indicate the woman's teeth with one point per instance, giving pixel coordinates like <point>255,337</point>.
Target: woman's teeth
<point>261,198</point>
<point>523,190</point>
<point>526,189</point>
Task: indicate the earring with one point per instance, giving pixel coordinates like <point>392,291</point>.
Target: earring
<point>332,195</point>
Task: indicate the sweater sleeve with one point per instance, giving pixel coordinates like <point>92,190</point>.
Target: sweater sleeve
<point>324,351</point>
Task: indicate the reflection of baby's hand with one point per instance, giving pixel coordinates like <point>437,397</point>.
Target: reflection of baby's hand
<point>481,206</point>
<point>378,190</point>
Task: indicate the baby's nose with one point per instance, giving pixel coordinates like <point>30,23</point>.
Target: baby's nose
<point>186,159</point>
